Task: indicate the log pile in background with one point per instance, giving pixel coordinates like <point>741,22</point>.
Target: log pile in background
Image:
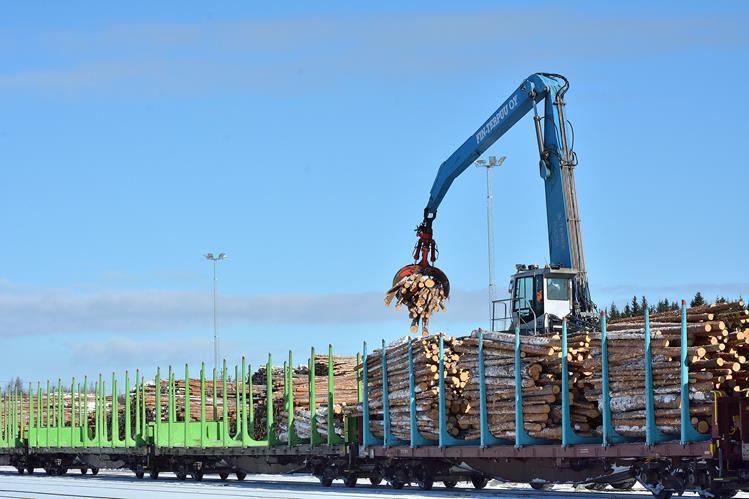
<point>426,370</point>
<point>260,399</point>
<point>345,397</point>
<point>80,398</point>
<point>423,295</point>
<point>214,409</point>
<point>717,352</point>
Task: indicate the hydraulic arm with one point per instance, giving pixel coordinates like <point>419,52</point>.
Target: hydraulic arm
<point>556,167</point>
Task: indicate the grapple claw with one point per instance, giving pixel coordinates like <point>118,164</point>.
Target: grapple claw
<point>428,270</point>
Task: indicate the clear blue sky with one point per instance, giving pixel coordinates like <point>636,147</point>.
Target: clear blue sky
<point>303,139</point>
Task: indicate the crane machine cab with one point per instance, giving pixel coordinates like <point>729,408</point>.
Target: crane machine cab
<point>539,299</point>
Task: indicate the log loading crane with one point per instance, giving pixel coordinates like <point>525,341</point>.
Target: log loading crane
<point>539,297</point>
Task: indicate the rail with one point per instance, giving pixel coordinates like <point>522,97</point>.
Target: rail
<point>507,318</point>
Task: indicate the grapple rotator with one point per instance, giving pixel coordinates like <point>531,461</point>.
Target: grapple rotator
<point>424,255</point>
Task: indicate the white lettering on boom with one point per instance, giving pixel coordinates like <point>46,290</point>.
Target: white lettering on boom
<point>498,118</point>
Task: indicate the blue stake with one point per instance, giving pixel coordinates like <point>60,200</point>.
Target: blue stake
<point>445,439</point>
<point>417,439</point>
<point>609,435</point>
<point>569,436</point>
<point>368,438</point>
<point>487,438</point>
<point>521,435</point>
<point>390,439</point>
<point>652,434</point>
<point>688,432</point>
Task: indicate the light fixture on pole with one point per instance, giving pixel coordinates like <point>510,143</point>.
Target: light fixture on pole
<point>491,163</point>
<point>215,259</point>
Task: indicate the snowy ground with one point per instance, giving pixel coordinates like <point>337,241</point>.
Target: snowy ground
<point>120,484</point>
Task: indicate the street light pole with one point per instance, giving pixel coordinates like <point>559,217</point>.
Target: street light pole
<point>493,161</point>
<point>215,259</point>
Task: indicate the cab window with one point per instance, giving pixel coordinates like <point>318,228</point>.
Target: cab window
<point>524,297</point>
<point>557,288</point>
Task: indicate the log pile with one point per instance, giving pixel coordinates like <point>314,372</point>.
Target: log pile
<point>540,381</point>
<point>422,294</point>
<point>717,352</point>
<point>345,396</point>
<point>214,408</point>
<point>426,370</point>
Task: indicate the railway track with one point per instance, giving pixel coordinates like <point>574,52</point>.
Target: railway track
<point>122,485</point>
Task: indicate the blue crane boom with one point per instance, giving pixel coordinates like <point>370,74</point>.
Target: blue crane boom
<point>557,162</point>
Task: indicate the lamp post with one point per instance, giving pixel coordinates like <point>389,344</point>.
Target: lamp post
<point>491,163</point>
<point>215,259</point>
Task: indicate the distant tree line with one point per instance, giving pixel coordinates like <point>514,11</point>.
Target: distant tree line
<point>636,308</point>
<point>15,385</point>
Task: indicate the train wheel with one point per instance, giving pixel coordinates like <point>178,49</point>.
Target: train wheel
<point>326,482</point>
<point>94,471</point>
<point>62,470</point>
<point>20,470</point>
<point>223,476</point>
<point>181,475</point>
<point>350,481</point>
<point>449,484</point>
<point>479,482</point>
<point>84,470</point>
<point>241,475</point>
<point>663,494</point>
<point>426,483</point>
<point>625,485</point>
<point>154,474</point>
<point>375,480</point>
<point>397,484</point>
<point>197,475</point>
<point>596,486</point>
<point>139,474</point>
<point>30,470</point>
<point>724,494</point>
<point>541,486</point>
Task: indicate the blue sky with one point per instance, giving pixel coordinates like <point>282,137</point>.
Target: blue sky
<point>303,140</point>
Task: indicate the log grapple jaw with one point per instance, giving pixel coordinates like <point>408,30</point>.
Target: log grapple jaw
<point>424,255</point>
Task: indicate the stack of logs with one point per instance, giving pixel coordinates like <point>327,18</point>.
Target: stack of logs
<point>540,371</point>
<point>426,371</point>
<point>345,397</point>
<point>717,350</point>
<point>422,295</point>
<point>214,407</point>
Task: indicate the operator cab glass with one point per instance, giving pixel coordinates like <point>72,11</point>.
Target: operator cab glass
<point>557,288</point>
<point>528,302</point>
<point>540,299</point>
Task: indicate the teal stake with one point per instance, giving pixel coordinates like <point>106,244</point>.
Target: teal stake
<point>652,434</point>
<point>688,432</point>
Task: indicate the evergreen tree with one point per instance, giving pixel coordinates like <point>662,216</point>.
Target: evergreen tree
<point>627,311</point>
<point>697,300</point>
<point>644,305</point>
<point>636,310</point>
<point>666,305</point>
<point>613,312</point>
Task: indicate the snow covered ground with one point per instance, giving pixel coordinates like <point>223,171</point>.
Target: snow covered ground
<point>120,484</point>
